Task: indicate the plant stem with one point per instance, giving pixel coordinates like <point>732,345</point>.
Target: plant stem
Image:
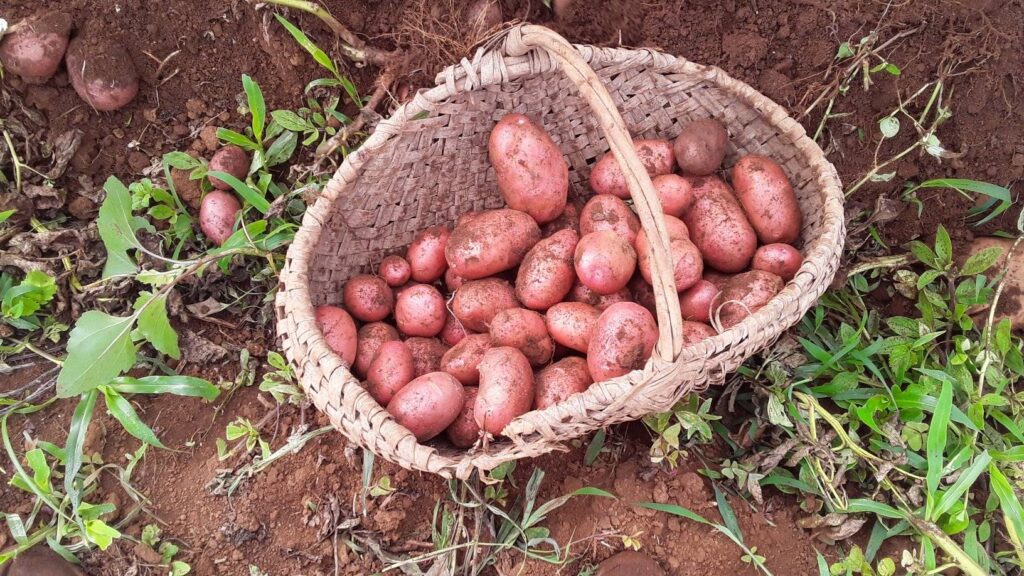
<point>42,353</point>
<point>352,46</point>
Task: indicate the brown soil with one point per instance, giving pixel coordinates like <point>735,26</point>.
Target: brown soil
<point>281,520</point>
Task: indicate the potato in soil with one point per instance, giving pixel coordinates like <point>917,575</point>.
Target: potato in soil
<point>428,405</point>
<point>370,338</point>
<point>700,147</point>
<point>420,310</point>
<point>767,197</point>
<point>560,380</point>
<point>34,47</point>
<point>622,341</point>
<point>101,72</point>
<point>523,329</point>
<point>476,302</point>
<point>390,370</point>
<point>532,174</point>
<point>655,155</point>
<point>368,298</point>
<point>506,389</point>
<point>231,160</point>
<point>464,432</point>
<point>217,214</point>
<point>339,331</point>
<point>490,243</point>
<point>546,275</point>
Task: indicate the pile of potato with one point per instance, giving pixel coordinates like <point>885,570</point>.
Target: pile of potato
<point>521,307</point>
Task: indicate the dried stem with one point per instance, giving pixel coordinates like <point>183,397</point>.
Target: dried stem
<point>351,45</point>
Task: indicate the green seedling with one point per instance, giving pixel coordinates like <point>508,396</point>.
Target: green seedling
<point>280,383</point>
<point>243,430</point>
<point>691,415</point>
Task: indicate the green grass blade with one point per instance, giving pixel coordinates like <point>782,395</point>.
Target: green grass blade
<point>938,431</point>
<point>999,198</point>
<point>728,514</point>
<point>676,510</point>
<point>80,420</point>
<point>122,410</point>
<point>251,195</point>
<point>177,385</point>
<point>319,55</point>
<point>594,449</point>
<point>822,565</point>
<point>257,107</point>
<point>962,484</point>
<point>1013,512</point>
<point>872,507</point>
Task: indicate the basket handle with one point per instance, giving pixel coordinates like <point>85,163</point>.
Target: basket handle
<point>645,199</point>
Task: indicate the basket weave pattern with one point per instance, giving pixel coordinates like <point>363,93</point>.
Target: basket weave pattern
<point>428,164</point>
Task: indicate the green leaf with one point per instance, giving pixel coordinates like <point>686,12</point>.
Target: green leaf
<point>728,514</point>
<point>80,420</point>
<point>151,535</point>
<point>871,507</point>
<point>999,198</point>
<point>889,126</point>
<point>179,568</point>
<point>822,565</point>
<point>17,528</point>
<point>257,107</point>
<point>594,448</point>
<point>963,483</point>
<point>938,430</point>
<point>251,195</point>
<point>161,212</point>
<point>291,121</point>
<point>100,534</point>
<point>844,51</point>
<point>178,385</point>
<point>319,55</point>
<point>35,290</point>
<point>122,410</point>
<point>676,510</point>
<point>117,228</point>
<point>5,214</point>
<point>282,148</point>
<point>1013,512</point>
<point>181,160</point>
<point>36,460</point>
<point>927,277</point>
<point>923,253</point>
<point>154,325</point>
<point>100,348</point>
<point>943,246</point>
<point>240,140</point>
<point>981,261</point>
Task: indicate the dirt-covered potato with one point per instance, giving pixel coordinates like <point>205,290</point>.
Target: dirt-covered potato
<point>622,341</point>
<point>700,147</point>
<point>780,259</point>
<point>464,432</point>
<point>717,278</point>
<point>546,275</point>
<point>607,212</point>
<point>217,214</point>
<point>453,331</point>
<point>532,174</point>
<point>697,302</point>
<point>476,302</point>
<point>523,329</point>
<point>696,331</point>
<point>506,389</point>
<point>339,331</point>
<point>604,261</point>
<point>571,324</point>
<point>559,381</point>
<point>428,405</point>
<point>368,298</point>
<point>581,293</point>
<point>607,177</point>
<point>719,227</point>
<point>370,338</point>
<point>687,262</point>
<point>426,254</point>
<point>34,47</point>
<point>394,270</point>
<point>675,194</point>
<point>420,310</point>
<point>766,195</point>
<point>463,359</point>
<point>491,242</point>
<point>568,220</point>
<point>426,354</point>
<point>453,281</point>
<point>747,293</point>
<point>231,160</point>
<point>390,370</point>
<point>102,72</point>
<point>642,293</point>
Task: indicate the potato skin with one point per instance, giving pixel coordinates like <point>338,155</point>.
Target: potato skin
<point>547,274</point>
<point>463,359</point>
<point>581,293</point>
<point>420,310</point>
<point>604,261</point>
<point>607,212</point>
<point>464,432</point>
<point>717,278</point>
<point>697,302</point>
<point>217,214</point>
<point>339,331</point>
<point>747,293</point>
<point>571,324</point>
<point>428,405</point>
<point>623,340</point>
<point>426,254</point>
<point>532,174</point>
<point>476,302</point>
<point>696,331</point>
<point>687,262</point>
<point>675,194</point>
<point>390,370</point>
<point>369,340</point>
<point>700,147</point>
<point>767,197</point>
<point>426,354</point>
<point>453,331</point>
<point>492,242</point>
<point>506,389</point>
<point>102,73</point>
<point>655,155</point>
<point>780,259</point>
<point>523,329</point>
<point>453,281</point>
<point>719,227</point>
<point>555,383</point>
<point>232,160</point>
<point>569,219</point>
<point>643,294</point>
<point>34,48</point>
<point>368,298</point>
<point>394,270</point>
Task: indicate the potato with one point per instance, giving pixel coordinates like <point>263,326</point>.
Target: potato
<point>719,227</point>
<point>717,278</point>
<point>426,254</point>
<point>607,212</point>
<point>217,214</point>
<point>523,329</point>
<point>560,380</point>
<point>607,177</point>
<point>428,405</point>
<point>697,302</point>
<point>604,261</point>
<point>101,72</point>
<point>568,220</point>
<point>467,217</point>
<point>696,331</point>
<point>464,432</point>
<point>571,324</point>
<point>700,147</point>
<point>642,293</point>
<point>747,293</point>
<point>476,302</point>
<point>370,338</point>
<point>463,359</point>
<point>426,354</point>
<point>231,160</point>
<point>581,293</point>
<point>492,242</point>
<point>780,259</point>
<point>687,264</point>
<point>339,331</point>
<point>622,341</point>
<point>34,47</point>
<point>453,281</point>
<point>394,270</point>
<point>453,331</point>
<point>506,389</point>
<point>390,370</point>
<point>532,174</point>
<point>368,298</point>
<point>547,274</point>
<point>675,194</point>
<point>420,310</point>
<point>482,15</point>
<point>767,197</point>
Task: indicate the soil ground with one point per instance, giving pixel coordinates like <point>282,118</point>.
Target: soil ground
<point>278,519</point>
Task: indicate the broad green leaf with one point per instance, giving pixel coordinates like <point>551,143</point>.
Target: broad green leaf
<point>5,214</point>
<point>927,277</point>
<point>100,533</point>
<point>923,253</point>
<point>240,140</point>
<point>117,228</point>
<point>889,126</point>
<point>178,385</point>
<point>179,568</point>
<point>319,55</point>
<point>154,325</point>
<point>251,195</point>
<point>80,420</point>
<point>844,51</point>
<point>938,430</point>
<point>257,107</point>
<point>594,448</point>
<point>181,160</point>
<point>100,348</point>
<point>728,514</point>
<point>40,470</point>
<point>121,409</point>
<point>943,246</point>
<point>999,198</point>
<point>981,261</point>
<point>291,121</point>
<point>282,148</point>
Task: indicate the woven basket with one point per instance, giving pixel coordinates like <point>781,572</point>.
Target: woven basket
<point>428,164</point>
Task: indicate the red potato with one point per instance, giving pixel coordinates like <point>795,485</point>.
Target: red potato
<point>231,160</point>
<point>464,432</point>
<point>747,293</point>
<point>675,194</point>
<point>717,278</point>
<point>467,217</point>
<point>532,174</point>
<point>782,260</point>
<point>34,47</point>
<point>426,354</point>
<point>571,324</point>
<point>368,298</point>
<point>453,281</point>
<point>557,382</point>
<point>490,243</point>
<point>607,212</point>
<point>568,220</point>
<point>463,359</point>
<point>622,341</point>
<point>581,293</point>
<point>697,302</point>
<point>655,155</point>
<point>102,73</point>
<point>719,227</point>
<point>506,389</point>
<point>426,254</point>
<point>642,293</point>
<point>339,331</point>
<point>428,405</point>
<point>523,329</point>
<point>476,302</point>
<point>700,147</point>
<point>394,270</point>
<point>696,331</point>
<point>687,263</point>
<point>604,261</point>
<point>420,310</point>
<point>453,331</point>
<point>767,197</point>
<point>546,275</point>
<point>370,338</point>
<point>217,214</point>
<point>390,370</point>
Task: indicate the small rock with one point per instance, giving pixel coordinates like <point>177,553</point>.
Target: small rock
<point>209,137</point>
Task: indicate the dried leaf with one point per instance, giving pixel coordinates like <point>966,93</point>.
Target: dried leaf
<point>64,148</point>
